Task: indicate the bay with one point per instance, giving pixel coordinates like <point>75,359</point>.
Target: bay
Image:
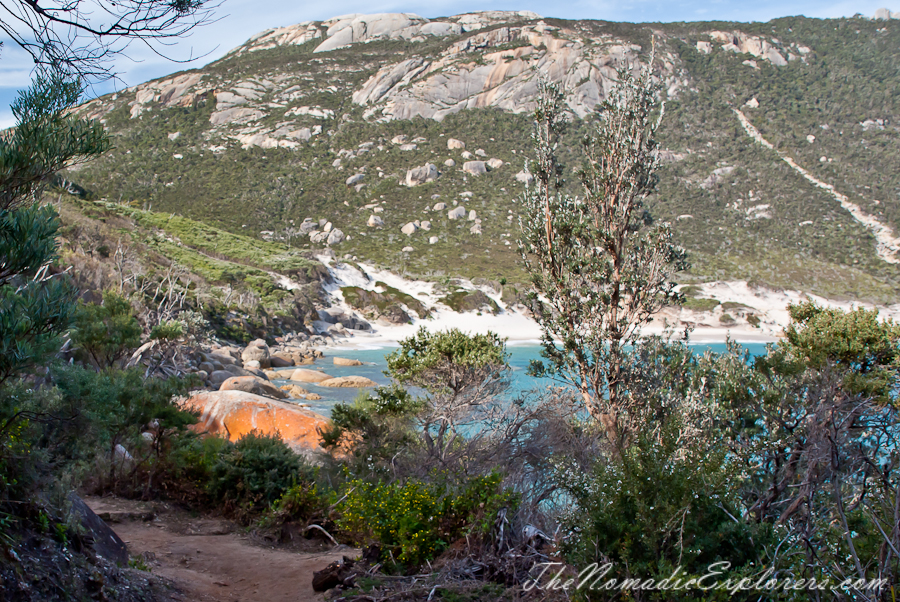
<point>374,366</point>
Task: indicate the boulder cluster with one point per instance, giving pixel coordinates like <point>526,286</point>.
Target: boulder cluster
<point>262,388</point>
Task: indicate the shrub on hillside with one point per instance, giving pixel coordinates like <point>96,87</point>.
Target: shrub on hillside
<point>99,411</point>
<point>105,333</point>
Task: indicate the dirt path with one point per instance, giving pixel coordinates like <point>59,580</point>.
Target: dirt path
<point>210,560</point>
<point>887,246</point>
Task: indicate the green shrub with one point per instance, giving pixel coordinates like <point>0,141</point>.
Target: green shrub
<point>189,468</point>
<point>652,512</point>
<point>753,320</point>
<point>300,503</point>
<point>99,410</point>
<point>696,304</point>
<point>256,471</point>
<point>167,332</point>
<point>726,319</point>
<point>106,333</point>
<point>416,520</point>
<point>380,423</point>
<point>730,305</point>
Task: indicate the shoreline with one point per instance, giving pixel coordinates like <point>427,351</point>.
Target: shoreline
<point>389,336</point>
<point>714,311</point>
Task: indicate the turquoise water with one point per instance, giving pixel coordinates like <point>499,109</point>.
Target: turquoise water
<point>374,366</point>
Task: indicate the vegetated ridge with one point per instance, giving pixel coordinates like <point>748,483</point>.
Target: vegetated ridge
<point>401,142</point>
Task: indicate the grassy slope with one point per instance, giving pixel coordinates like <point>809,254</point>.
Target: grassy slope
<point>849,77</point>
<point>91,232</point>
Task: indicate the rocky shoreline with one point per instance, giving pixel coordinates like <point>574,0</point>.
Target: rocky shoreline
<point>239,395</point>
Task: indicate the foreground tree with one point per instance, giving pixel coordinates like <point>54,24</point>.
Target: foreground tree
<point>599,266</point>
<point>34,305</point>
<point>814,426</point>
<point>81,37</point>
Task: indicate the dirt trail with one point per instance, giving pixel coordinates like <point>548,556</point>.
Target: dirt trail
<point>887,246</point>
<point>209,560</point>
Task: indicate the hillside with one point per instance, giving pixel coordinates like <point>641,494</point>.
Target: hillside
<point>309,136</point>
<point>242,287</point>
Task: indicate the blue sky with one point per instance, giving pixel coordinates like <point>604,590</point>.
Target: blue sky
<point>240,19</point>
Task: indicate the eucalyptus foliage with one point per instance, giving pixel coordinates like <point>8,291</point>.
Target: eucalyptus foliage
<point>600,268</point>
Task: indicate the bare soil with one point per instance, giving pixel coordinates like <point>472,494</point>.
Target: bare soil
<point>212,559</point>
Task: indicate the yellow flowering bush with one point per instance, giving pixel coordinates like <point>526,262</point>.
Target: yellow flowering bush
<point>415,520</point>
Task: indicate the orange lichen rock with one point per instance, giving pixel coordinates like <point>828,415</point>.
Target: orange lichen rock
<point>235,413</point>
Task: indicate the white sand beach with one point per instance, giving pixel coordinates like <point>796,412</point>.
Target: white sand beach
<point>754,315</point>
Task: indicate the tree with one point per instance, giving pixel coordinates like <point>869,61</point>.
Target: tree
<point>80,37</point>
<point>107,332</point>
<point>35,305</point>
<point>461,373</point>
<point>600,268</point>
<point>814,426</point>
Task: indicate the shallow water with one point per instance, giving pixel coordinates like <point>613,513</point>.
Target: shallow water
<point>374,366</point>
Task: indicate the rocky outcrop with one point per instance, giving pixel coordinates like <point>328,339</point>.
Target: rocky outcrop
<point>377,87</point>
<point>334,237</point>
<point>475,168</point>
<point>258,351</point>
<point>421,175</point>
<point>354,382</point>
<point>280,360</point>
<point>93,530</point>
<point>337,315</point>
<point>251,384</point>
<point>217,377</point>
<point>390,305</point>
<point>349,29</point>
<point>294,35</point>
<point>309,376</point>
<point>233,414</point>
<point>468,74</point>
<point>470,300</point>
<point>294,391</point>
<point>457,213</point>
<point>341,361</point>
<point>739,42</point>
<point>179,91</point>
<point>525,178</point>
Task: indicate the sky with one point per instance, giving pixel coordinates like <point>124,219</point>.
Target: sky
<point>238,20</point>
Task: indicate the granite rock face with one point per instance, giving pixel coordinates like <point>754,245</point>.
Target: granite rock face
<point>354,382</point>
<point>233,414</point>
<point>309,376</point>
<point>421,175</point>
